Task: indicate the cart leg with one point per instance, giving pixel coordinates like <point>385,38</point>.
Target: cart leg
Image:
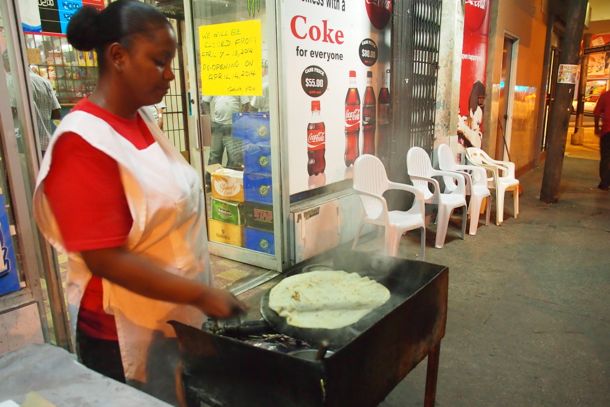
<point>431,375</point>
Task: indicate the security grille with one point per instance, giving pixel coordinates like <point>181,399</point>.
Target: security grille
<point>426,27</point>
<point>175,117</point>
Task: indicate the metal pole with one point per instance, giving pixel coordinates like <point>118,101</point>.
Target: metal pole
<point>579,134</point>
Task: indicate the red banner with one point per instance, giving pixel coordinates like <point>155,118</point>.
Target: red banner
<point>474,63</point>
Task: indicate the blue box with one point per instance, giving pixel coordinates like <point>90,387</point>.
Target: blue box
<point>259,240</point>
<point>257,158</point>
<point>258,188</point>
<point>252,127</point>
<point>9,277</point>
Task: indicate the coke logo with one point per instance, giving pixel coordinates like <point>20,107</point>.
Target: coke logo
<point>299,28</point>
<point>316,138</point>
<point>352,115</point>
<point>379,12</point>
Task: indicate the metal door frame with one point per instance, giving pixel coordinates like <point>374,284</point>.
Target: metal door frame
<point>279,261</point>
<point>503,141</point>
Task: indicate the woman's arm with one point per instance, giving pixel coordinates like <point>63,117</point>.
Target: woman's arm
<point>143,276</point>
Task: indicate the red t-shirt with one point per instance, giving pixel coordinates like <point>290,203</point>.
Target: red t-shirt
<point>85,192</point>
<point>602,109</point>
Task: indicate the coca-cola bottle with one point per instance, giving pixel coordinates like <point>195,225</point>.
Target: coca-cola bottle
<point>352,121</point>
<point>316,141</point>
<point>383,109</point>
<point>369,114</point>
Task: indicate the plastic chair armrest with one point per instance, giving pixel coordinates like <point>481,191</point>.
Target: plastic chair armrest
<point>379,198</point>
<point>435,184</point>
<point>459,177</point>
<point>405,187</point>
<point>476,173</point>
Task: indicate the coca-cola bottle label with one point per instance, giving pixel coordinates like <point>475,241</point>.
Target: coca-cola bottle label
<point>368,114</point>
<point>316,138</point>
<point>352,118</point>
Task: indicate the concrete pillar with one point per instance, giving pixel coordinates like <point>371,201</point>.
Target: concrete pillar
<point>450,65</point>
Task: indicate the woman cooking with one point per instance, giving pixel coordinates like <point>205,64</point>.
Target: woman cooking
<point>126,207</point>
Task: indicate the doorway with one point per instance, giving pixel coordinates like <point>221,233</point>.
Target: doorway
<point>506,99</point>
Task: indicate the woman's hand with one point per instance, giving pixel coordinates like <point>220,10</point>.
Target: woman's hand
<point>218,303</point>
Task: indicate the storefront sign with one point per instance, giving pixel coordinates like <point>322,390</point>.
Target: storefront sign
<point>51,16</point>
<point>231,59</point>
<point>9,279</point>
<point>328,48</point>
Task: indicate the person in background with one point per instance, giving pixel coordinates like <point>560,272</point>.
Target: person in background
<point>602,111</point>
<point>46,108</point>
<point>125,206</point>
<point>45,103</point>
<point>261,103</point>
<point>221,109</point>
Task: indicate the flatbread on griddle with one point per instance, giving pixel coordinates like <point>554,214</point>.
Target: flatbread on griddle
<point>327,299</point>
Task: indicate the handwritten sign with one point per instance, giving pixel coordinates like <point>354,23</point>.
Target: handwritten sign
<point>231,59</point>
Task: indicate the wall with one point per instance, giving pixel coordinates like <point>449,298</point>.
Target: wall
<point>448,84</point>
<point>524,20</point>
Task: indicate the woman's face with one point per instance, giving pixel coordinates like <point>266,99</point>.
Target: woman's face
<point>147,71</point>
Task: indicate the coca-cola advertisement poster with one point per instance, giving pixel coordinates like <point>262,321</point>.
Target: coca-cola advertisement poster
<point>335,68</point>
<point>472,82</point>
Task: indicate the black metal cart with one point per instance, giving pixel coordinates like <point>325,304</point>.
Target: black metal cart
<point>369,358</point>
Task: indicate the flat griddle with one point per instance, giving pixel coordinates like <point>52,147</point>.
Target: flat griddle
<point>335,338</point>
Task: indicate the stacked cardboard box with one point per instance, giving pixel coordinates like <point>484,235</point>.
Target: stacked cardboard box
<point>227,221</point>
<point>253,130</point>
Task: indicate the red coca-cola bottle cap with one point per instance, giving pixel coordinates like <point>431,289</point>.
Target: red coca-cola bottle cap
<point>315,105</point>
<point>352,74</point>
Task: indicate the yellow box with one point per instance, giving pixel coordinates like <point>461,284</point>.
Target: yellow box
<point>222,232</point>
<point>228,185</point>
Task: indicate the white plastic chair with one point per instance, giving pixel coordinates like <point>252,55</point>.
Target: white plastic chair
<point>370,182</point>
<point>476,184</point>
<point>502,179</point>
<point>421,172</point>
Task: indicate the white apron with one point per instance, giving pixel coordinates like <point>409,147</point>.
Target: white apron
<point>165,199</point>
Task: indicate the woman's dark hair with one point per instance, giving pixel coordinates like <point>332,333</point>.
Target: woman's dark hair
<point>478,90</point>
<point>90,28</point>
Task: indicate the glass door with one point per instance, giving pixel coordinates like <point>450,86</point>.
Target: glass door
<point>236,65</point>
<point>24,304</point>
